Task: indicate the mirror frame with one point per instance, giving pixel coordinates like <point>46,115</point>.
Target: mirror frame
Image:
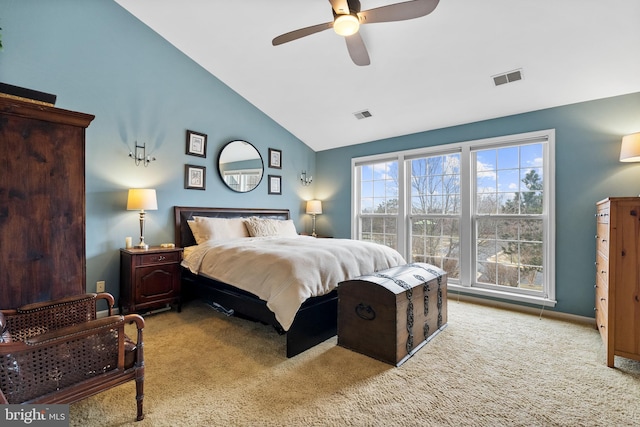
<point>221,172</point>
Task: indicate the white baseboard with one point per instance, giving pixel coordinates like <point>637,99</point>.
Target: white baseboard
<point>515,307</point>
<point>105,313</point>
<point>467,298</point>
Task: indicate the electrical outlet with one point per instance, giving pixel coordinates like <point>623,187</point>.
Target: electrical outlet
<point>100,286</point>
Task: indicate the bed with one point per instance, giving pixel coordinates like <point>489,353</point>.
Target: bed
<point>311,319</point>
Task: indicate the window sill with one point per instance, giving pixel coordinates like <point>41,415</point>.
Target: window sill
<point>490,293</point>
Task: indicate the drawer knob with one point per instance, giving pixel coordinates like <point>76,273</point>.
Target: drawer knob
<point>162,258</point>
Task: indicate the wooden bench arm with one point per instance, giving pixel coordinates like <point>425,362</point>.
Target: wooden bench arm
<point>67,300</point>
<point>35,319</point>
<point>70,331</point>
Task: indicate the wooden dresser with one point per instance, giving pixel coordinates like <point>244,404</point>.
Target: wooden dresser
<point>42,202</point>
<point>617,305</point>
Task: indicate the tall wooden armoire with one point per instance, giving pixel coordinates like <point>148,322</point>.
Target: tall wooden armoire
<point>42,202</point>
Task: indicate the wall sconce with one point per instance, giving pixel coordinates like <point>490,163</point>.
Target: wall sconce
<point>314,207</point>
<point>141,199</point>
<point>304,180</point>
<point>140,155</point>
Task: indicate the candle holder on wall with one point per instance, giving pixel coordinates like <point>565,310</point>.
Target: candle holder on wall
<point>304,179</point>
<point>140,155</point>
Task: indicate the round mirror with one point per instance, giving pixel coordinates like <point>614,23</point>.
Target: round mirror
<point>240,166</point>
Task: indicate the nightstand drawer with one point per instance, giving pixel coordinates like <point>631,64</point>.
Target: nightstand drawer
<point>159,258</point>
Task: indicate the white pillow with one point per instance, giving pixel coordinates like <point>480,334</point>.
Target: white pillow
<point>262,227</point>
<point>204,228</point>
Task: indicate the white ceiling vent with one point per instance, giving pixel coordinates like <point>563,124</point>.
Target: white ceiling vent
<point>508,77</point>
<point>362,114</point>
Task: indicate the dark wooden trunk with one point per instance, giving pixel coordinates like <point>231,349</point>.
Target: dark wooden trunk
<point>391,314</point>
<point>42,202</point>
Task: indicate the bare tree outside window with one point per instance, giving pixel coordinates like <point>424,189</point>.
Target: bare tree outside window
<point>435,212</point>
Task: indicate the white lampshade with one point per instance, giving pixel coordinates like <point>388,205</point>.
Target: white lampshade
<point>630,148</point>
<point>314,207</point>
<point>141,199</point>
<point>346,25</point>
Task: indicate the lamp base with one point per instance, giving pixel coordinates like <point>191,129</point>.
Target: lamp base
<point>142,244</point>
<point>313,231</point>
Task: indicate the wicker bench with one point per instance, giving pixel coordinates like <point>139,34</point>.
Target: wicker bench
<point>60,352</point>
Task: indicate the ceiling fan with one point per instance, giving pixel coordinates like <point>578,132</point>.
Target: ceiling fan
<point>347,18</point>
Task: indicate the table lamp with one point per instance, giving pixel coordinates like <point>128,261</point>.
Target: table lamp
<point>314,207</point>
<point>141,199</point>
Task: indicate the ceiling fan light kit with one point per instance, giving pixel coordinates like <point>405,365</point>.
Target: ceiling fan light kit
<point>346,25</point>
<point>347,18</point>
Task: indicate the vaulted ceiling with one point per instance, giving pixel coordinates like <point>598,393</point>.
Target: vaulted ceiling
<point>427,73</point>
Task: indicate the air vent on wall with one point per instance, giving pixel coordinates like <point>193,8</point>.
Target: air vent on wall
<point>362,114</point>
<point>508,77</point>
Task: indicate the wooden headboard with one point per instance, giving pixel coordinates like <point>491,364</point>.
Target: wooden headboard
<point>183,235</point>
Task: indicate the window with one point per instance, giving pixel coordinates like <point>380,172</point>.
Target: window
<point>508,216</point>
<point>379,203</point>
<point>480,210</point>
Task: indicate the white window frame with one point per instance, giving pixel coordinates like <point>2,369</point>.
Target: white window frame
<point>243,175</point>
<point>466,284</point>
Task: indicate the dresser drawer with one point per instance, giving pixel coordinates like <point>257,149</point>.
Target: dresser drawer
<point>602,322</point>
<point>602,214</point>
<point>161,258</point>
<point>602,268</point>
<point>602,294</point>
<point>602,238</point>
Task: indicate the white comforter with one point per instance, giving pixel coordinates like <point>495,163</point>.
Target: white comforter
<point>286,271</point>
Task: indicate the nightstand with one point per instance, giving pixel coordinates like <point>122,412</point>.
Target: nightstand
<point>318,236</point>
<point>149,278</point>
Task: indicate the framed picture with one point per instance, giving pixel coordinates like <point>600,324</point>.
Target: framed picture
<point>275,158</point>
<point>196,144</point>
<point>194,177</point>
<point>274,184</point>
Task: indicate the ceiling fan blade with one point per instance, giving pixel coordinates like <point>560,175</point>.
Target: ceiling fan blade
<point>357,49</point>
<point>398,11</point>
<point>302,32</point>
<point>340,7</point>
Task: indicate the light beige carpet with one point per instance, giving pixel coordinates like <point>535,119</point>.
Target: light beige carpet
<point>489,367</point>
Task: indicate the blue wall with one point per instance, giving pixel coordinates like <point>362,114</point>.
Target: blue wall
<point>588,137</point>
<point>98,59</point>
<point>101,60</point>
